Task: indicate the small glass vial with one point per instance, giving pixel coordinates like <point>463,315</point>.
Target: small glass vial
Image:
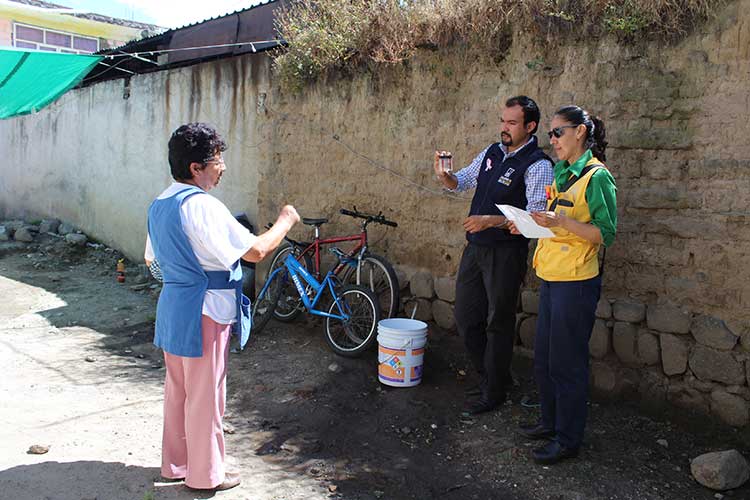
<point>446,161</point>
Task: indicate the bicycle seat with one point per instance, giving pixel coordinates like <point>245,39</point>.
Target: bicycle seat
<point>313,222</point>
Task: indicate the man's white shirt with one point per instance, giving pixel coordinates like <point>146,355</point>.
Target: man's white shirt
<point>218,241</point>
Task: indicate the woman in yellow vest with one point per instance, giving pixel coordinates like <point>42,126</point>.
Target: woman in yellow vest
<point>582,212</point>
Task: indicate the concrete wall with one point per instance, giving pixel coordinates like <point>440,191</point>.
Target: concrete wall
<point>97,159</point>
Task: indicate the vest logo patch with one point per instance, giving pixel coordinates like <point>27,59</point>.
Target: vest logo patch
<point>505,178</point>
<point>489,165</point>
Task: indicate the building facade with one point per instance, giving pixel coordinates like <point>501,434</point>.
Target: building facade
<point>37,25</point>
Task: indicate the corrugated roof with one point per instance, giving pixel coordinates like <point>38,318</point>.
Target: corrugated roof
<point>236,33</point>
<point>123,48</point>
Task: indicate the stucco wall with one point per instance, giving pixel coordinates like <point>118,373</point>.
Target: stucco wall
<point>97,159</point>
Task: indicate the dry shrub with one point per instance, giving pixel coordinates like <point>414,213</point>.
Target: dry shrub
<point>330,34</point>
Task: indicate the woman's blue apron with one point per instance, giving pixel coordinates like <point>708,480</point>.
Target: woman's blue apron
<point>180,306</point>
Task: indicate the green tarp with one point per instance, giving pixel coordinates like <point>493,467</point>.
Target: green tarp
<point>30,80</point>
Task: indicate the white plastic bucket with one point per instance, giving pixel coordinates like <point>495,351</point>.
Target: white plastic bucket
<point>401,344</point>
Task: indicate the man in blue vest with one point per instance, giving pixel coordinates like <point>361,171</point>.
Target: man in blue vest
<point>514,172</point>
<point>198,244</point>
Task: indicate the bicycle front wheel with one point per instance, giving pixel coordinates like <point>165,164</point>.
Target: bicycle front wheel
<point>265,303</point>
<point>352,336</point>
<point>376,274</point>
<point>290,304</point>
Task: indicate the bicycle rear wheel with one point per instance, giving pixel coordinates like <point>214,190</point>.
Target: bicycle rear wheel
<point>265,303</point>
<point>355,335</point>
<point>289,305</point>
<point>376,274</point>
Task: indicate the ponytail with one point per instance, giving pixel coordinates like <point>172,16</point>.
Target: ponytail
<point>596,137</point>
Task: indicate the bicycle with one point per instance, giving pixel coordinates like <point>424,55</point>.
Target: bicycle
<point>352,316</point>
<point>359,266</point>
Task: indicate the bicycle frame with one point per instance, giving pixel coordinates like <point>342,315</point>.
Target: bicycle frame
<point>297,273</point>
<point>359,249</point>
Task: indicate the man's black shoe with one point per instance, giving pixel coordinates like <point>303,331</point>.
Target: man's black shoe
<point>553,452</point>
<point>535,431</point>
<point>480,406</point>
<point>474,390</point>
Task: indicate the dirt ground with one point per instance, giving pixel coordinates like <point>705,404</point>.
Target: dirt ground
<point>81,376</point>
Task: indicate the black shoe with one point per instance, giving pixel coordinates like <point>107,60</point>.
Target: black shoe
<point>553,452</point>
<point>480,406</point>
<point>473,391</point>
<point>535,431</point>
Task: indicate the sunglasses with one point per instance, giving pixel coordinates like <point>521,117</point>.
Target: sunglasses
<point>558,132</point>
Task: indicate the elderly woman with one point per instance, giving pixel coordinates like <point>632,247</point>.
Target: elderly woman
<point>198,244</point>
<point>582,213</point>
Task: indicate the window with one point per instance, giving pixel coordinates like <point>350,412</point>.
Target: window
<point>36,38</point>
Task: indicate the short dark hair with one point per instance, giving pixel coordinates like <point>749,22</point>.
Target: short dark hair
<point>595,132</point>
<point>531,111</point>
<point>193,143</point>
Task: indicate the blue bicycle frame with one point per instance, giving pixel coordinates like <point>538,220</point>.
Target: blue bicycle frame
<point>297,273</point>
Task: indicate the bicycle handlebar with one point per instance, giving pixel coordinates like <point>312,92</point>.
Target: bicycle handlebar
<point>378,219</point>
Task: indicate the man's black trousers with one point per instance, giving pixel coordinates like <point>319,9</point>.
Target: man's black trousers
<point>487,286</point>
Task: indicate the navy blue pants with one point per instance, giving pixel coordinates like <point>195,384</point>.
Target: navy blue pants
<point>567,310</point>
<point>487,286</point>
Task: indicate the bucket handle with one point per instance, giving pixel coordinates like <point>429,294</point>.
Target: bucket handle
<point>386,360</point>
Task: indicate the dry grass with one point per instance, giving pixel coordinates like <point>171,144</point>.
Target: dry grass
<point>328,34</point>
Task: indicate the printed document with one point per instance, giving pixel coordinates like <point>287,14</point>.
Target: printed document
<point>524,223</point>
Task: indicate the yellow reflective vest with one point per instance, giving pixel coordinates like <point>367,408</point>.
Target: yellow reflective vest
<point>567,256</point>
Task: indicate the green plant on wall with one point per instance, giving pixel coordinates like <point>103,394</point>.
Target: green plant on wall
<point>324,35</point>
<point>625,18</point>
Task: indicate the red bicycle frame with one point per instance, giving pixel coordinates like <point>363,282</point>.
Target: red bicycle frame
<point>314,247</point>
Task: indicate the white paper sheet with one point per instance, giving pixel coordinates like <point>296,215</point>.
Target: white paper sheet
<point>524,223</point>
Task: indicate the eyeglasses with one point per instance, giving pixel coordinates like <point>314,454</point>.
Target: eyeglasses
<point>558,132</point>
<point>220,161</point>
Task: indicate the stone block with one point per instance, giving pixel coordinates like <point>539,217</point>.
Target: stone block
<point>402,277</point>
<point>530,301</point>
<point>720,470</point>
<point>424,310</point>
<point>648,348</point>
<point>625,342</point>
<point>718,366</point>
<point>732,409</point>
<point>666,197</point>
<point>601,340</point>
<point>49,226</point>
<point>712,332</point>
<point>422,285</point>
<point>527,332</point>
<point>445,288</point>
<point>65,229</point>
<point>442,312</point>
<point>23,234</point>
<point>76,239</point>
<point>604,378</point>
<point>626,310</point>
<point>687,398</point>
<point>603,309</point>
<point>674,354</point>
<point>667,319</point>
<point>13,225</point>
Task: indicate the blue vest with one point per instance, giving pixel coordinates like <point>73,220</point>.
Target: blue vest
<point>180,306</point>
<point>501,182</point>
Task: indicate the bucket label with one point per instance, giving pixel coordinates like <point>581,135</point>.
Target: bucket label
<point>397,365</point>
